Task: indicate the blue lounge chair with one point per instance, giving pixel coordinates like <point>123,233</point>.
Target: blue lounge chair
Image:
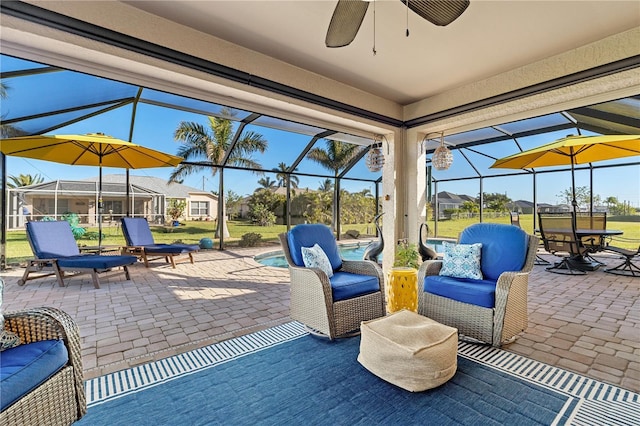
<point>140,243</point>
<point>56,253</point>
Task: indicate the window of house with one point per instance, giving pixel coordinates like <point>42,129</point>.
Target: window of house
<point>199,208</point>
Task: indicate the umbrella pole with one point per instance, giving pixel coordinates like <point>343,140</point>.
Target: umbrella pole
<point>574,202</point>
<point>100,208</point>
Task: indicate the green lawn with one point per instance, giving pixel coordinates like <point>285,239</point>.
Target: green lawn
<point>18,248</point>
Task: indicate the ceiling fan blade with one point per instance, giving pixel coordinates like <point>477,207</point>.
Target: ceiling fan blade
<point>345,22</point>
<point>438,12</point>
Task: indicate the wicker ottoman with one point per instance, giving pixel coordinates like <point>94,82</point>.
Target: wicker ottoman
<point>409,350</point>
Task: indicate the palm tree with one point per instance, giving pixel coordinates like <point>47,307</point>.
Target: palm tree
<point>326,185</point>
<point>267,183</point>
<point>24,180</point>
<point>211,143</point>
<point>335,157</point>
<point>282,176</point>
<point>7,130</point>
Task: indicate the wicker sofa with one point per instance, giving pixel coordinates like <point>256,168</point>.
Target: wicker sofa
<point>492,309</point>
<point>60,398</point>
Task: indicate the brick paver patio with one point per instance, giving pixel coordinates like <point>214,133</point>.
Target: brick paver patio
<point>589,324</point>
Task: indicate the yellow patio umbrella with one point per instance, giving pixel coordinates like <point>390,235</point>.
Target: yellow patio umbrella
<point>93,149</point>
<point>572,150</point>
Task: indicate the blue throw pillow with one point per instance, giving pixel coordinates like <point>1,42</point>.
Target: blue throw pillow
<point>315,257</point>
<point>461,261</point>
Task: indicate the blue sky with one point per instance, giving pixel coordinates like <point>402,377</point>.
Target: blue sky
<point>154,127</point>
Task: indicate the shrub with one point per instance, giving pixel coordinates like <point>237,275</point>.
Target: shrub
<point>250,239</point>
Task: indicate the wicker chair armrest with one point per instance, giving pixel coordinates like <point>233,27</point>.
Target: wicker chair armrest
<point>503,287</point>
<point>362,267</point>
<point>429,267</point>
<point>46,323</point>
<point>366,267</point>
<point>312,276</point>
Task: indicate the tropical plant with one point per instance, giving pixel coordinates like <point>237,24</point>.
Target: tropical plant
<point>335,157</point>
<point>582,195</point>
<point>263,204</point>
<point>176,208</point>
<point>326,186</point>
<point>266,182</point>
<point>7,130</point>
<point>406,256</point>
<point>232,202</point>
<point>495,201</point>
<point>250,239</point>
<point>212,143</point>
<point>283,176</point>
<point>24,180</point>
<point>262,216</point>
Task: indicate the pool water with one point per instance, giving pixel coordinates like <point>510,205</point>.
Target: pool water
<point>347,251</point>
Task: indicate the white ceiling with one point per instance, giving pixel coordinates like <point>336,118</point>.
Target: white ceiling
<point>491,37</point>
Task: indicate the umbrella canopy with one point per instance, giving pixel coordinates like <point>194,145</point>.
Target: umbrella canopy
<point>93,149</point>
<point>572,150</point>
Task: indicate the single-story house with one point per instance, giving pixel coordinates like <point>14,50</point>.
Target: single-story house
<point>149,197</point>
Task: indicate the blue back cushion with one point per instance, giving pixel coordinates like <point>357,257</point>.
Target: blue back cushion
<point>25,367</point>
<point>52,239</point>
<point>306,235</point>
<point>136,231</point>
<point>504,247</point>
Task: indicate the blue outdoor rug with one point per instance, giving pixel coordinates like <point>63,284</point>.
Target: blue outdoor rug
<point>284,376</point>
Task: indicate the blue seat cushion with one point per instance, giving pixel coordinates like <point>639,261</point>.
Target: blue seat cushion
<point>306,235</point>
<point>25,367</point>
<point>170,248</point>
<point>90,261</point>
<point>345,285</point>
<point>504,247</point>
<point>466,290</point>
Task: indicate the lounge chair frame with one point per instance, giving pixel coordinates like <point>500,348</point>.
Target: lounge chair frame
<point>48,267</point>
<point>45,267</point>
<point>141,253</point>
<point>147,254</point>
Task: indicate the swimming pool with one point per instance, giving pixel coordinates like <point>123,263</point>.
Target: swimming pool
<point>347,251</point>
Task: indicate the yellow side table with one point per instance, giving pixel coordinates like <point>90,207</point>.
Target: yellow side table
<point>403,289</point>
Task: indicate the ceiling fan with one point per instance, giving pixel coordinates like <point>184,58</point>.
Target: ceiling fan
<point>349,14</point>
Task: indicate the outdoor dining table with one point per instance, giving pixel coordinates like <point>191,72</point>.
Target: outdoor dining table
<point>578,260</point>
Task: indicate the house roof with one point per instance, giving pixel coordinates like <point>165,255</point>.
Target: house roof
<point>156,184</point>
<point>88,187</point>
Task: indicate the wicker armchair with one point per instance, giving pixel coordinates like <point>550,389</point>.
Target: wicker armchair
<point>61,399</point>
<point>313,299</point>
<point>508,316</point>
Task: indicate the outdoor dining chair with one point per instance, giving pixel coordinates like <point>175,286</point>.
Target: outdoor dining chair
<point>56,253</point>
<point>140,243</point>
<point>515,221</point>
<point>558,232</point>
